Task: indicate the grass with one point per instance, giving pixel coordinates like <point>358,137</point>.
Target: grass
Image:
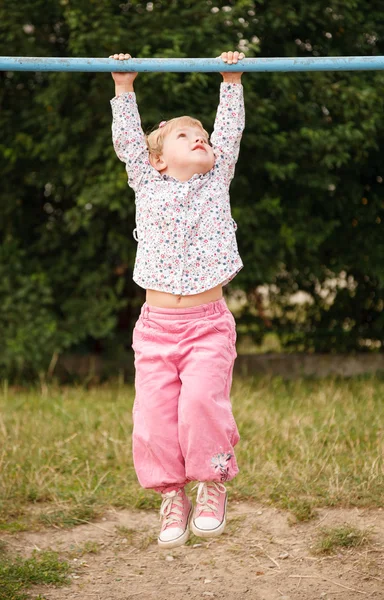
<point>65,454</point>
<point>135,537</point>
<point>68,517</point>
<point>193,539</point>
<point>333,539</point>
<point>81,550</point>
<point>301,511</point>
<point>18,574</point>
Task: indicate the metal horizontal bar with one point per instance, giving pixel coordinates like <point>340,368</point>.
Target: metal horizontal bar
<point>184,65</point>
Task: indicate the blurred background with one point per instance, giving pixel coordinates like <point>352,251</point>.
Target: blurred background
<point>308,194</point>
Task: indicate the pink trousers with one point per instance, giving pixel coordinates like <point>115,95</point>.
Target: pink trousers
<point>183,426</point>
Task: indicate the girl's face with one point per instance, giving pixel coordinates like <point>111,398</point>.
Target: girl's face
<point>186,151</point>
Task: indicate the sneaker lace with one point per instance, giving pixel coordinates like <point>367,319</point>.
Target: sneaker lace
<point>208,494</point>
<point>171,509</point>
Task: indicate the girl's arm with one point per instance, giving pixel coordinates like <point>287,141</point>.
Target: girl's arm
<point>230,119</point>
<point>127,134</point>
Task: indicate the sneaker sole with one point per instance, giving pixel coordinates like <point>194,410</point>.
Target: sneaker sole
<point>180,541</point>
<point>208,533</point>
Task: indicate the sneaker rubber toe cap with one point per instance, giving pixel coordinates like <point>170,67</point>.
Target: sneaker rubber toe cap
<point>206,523</point>
<point>172,533</point>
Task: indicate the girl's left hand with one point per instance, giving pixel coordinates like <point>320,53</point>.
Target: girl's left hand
<point>231,58</point>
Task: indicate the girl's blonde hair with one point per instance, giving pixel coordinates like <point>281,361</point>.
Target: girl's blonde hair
<point>155,139</point>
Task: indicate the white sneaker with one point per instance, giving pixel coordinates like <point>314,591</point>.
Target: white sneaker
<point>209,517</point>
<point>175,513</point>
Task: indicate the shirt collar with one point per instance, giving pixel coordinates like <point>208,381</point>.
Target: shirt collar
<point>193,178</point>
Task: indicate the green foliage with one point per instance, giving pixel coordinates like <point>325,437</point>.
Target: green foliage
<point>307,194</point>
<point>68,518</point>
<point>27,320</point>
<point>347,536</point>
<point>18,574</point>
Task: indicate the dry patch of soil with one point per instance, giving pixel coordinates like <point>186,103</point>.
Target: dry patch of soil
<point>259,557</point>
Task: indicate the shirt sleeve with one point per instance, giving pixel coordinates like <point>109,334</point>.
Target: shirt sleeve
<point>228,128</point>
<point>128,137</point>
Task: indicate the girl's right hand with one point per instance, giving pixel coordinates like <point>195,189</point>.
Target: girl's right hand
<point>123,78</point>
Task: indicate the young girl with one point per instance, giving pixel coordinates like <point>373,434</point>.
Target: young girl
<point>184,340</point>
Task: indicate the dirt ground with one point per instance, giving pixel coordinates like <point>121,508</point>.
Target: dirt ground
<point>261,556</point>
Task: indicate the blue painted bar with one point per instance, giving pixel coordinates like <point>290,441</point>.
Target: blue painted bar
<point>188,65</point>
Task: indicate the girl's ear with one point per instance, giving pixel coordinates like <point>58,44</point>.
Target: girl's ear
<point>157,162</point>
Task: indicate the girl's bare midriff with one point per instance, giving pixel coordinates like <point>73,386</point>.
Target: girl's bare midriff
<point>165,300</point>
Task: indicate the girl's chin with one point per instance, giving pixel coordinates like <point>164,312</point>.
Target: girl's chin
<point>204,164</point>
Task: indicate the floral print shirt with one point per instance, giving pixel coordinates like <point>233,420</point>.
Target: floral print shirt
<point>185,232</point>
